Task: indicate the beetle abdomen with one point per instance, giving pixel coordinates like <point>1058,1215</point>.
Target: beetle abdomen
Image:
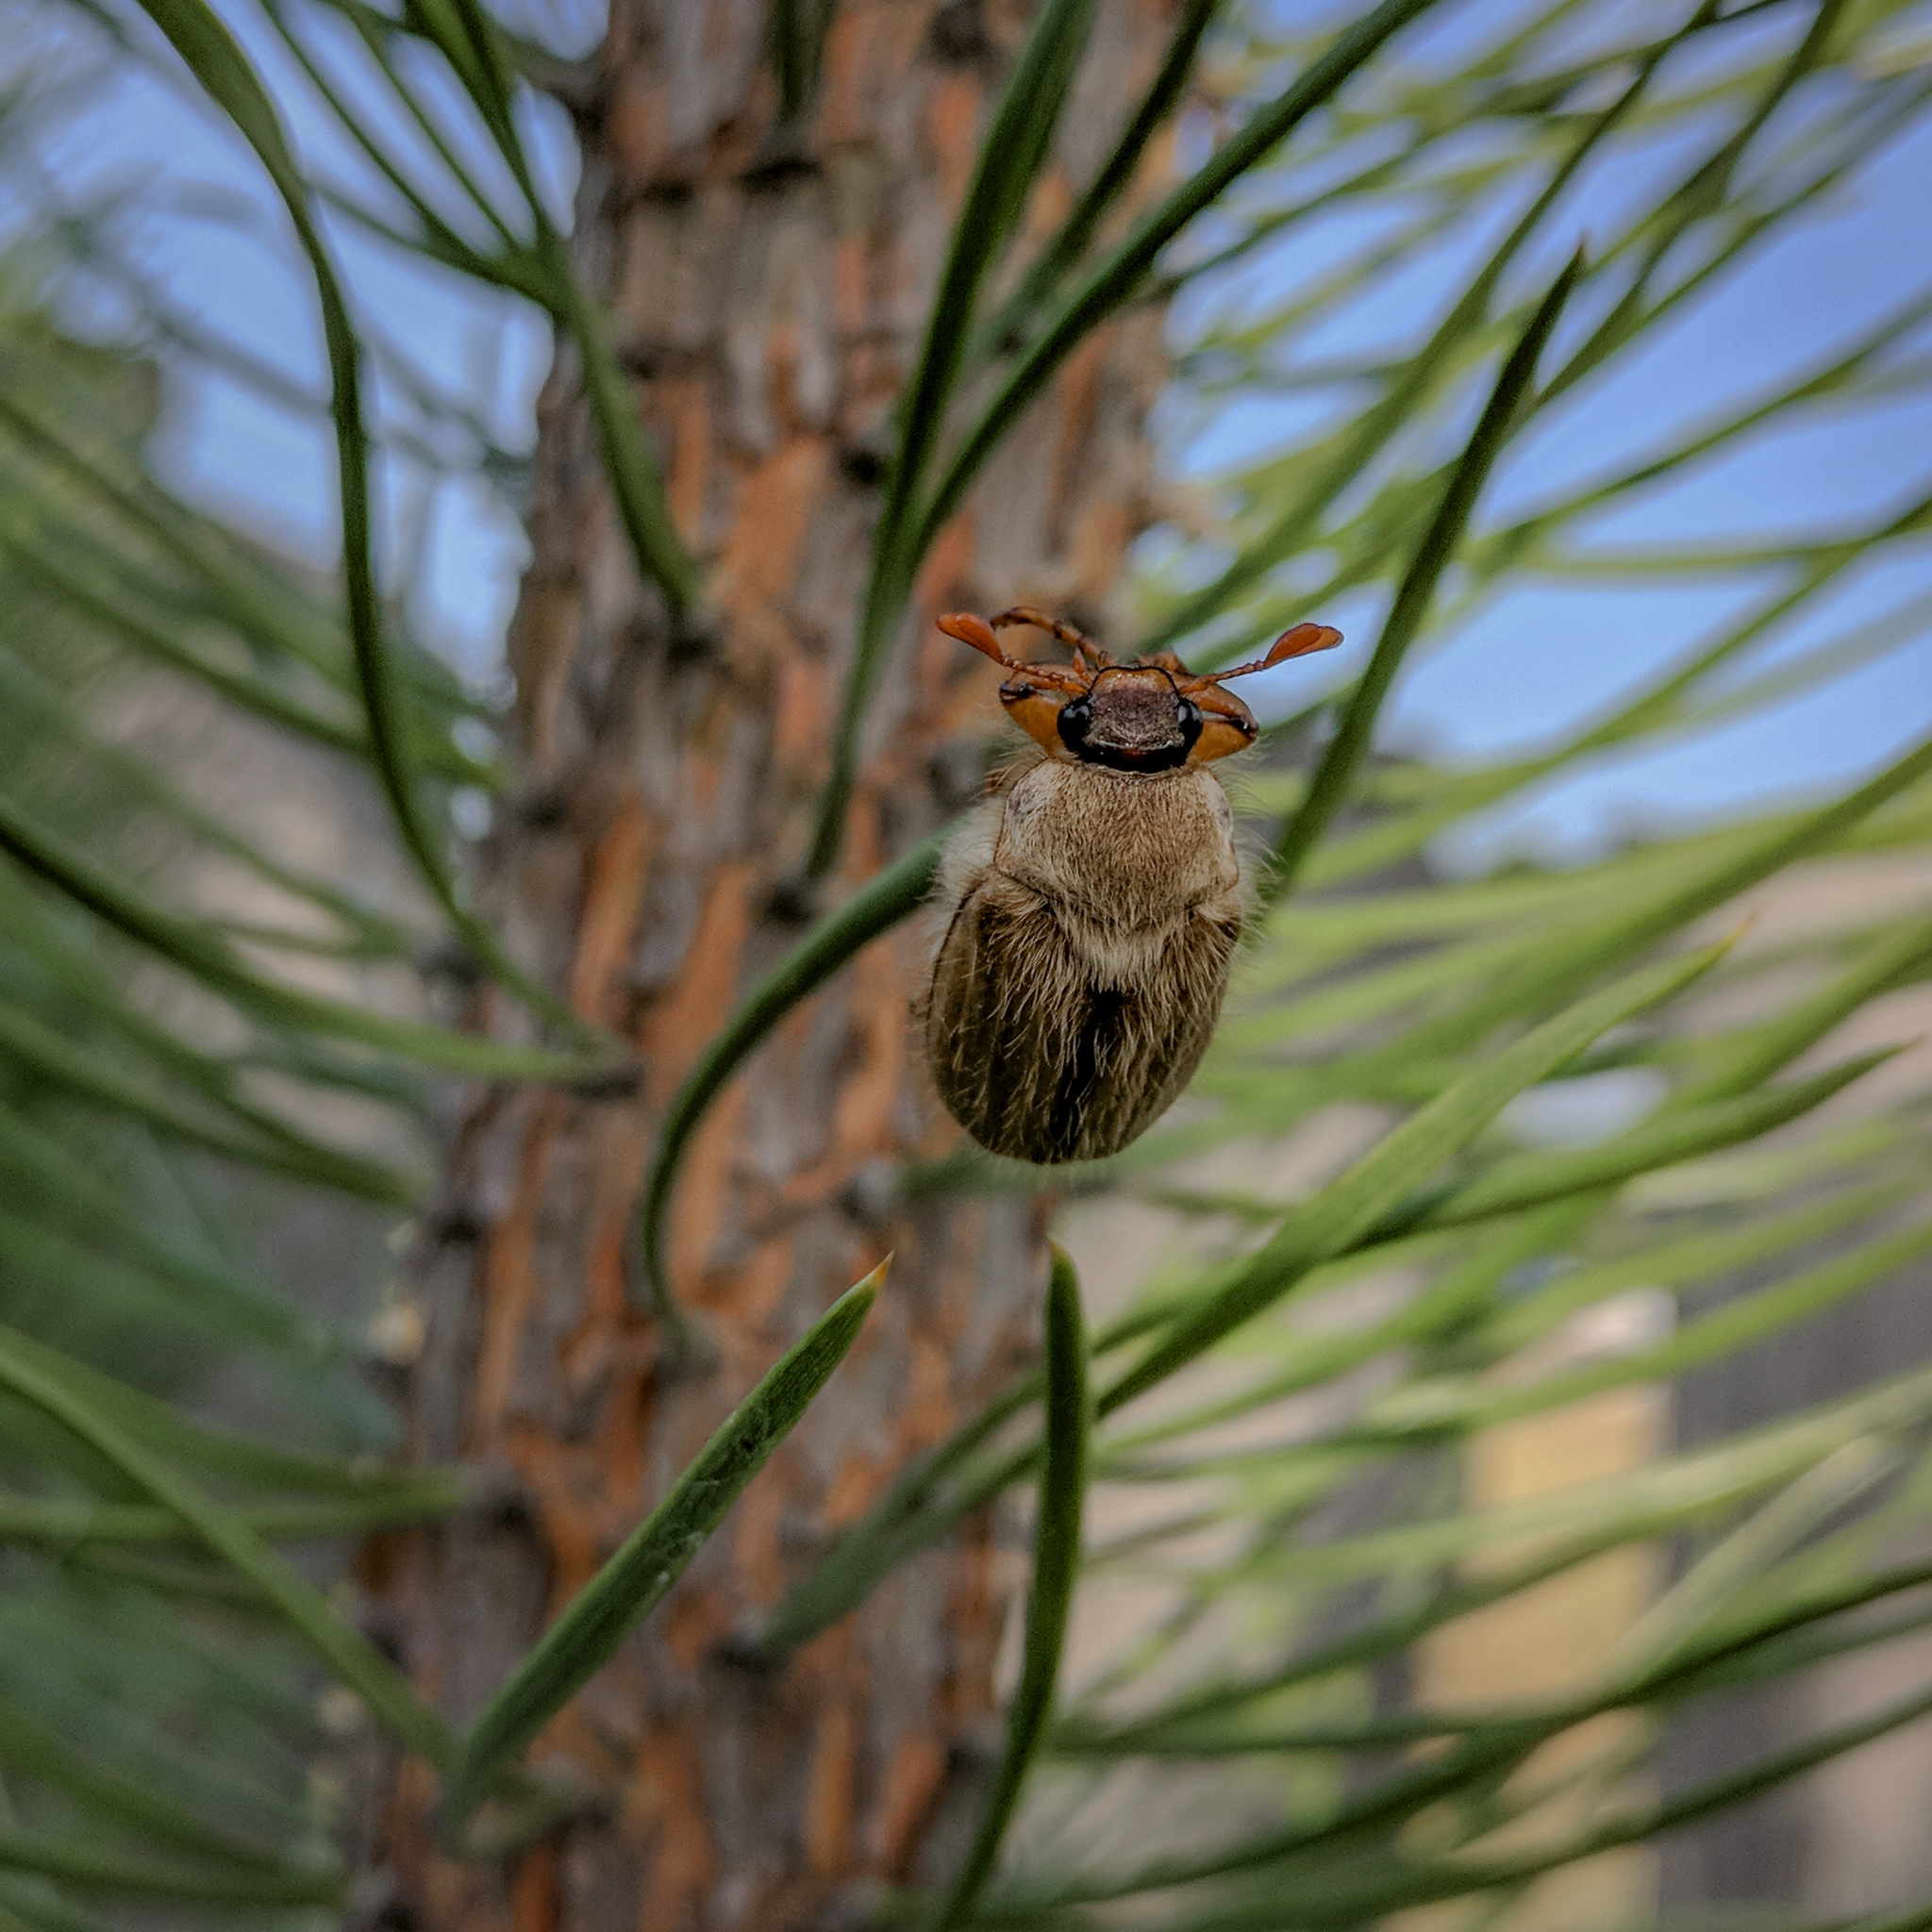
<point>1036,1054</point>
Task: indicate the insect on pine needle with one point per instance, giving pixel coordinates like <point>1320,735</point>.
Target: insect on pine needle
<point>1090,912</point>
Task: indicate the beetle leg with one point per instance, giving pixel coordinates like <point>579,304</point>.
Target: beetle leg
<point>1033,703</point>
<point>1226,724</point>
<point>1077,642</point>
<point>1167,661</point>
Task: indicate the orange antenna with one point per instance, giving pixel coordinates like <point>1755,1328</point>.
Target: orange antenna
<point>978,633</point>
<point>984,637</point>
<point>1299,641</point>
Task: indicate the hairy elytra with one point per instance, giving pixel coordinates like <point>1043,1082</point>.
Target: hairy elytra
<point>1088,914</point>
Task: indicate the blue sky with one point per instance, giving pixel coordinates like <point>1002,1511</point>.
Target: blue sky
<point>195,213</point>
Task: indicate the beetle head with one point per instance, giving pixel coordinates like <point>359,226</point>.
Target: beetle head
<point>1149,716</point>
<point>1132,719</point>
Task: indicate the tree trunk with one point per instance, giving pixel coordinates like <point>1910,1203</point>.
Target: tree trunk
<point>769,288</point>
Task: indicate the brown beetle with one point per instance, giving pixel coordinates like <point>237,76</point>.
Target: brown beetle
<point>1091,911</point>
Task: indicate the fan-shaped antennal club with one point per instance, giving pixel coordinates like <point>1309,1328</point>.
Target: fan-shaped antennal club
<point>976,632</point>
<point>1299,642</point>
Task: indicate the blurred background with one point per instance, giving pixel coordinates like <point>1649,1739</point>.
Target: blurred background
<point>152,301</point>
<point>144,221</point>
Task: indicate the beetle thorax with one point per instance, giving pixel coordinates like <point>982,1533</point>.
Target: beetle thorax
<point>1120,850</point>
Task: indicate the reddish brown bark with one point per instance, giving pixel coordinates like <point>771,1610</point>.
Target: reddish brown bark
<point>769,288</point>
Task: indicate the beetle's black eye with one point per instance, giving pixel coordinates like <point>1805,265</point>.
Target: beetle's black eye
<point>1190,721</point>
<point>1074,720</point>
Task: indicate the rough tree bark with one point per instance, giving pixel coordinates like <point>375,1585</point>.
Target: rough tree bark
<point>769,288</point>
